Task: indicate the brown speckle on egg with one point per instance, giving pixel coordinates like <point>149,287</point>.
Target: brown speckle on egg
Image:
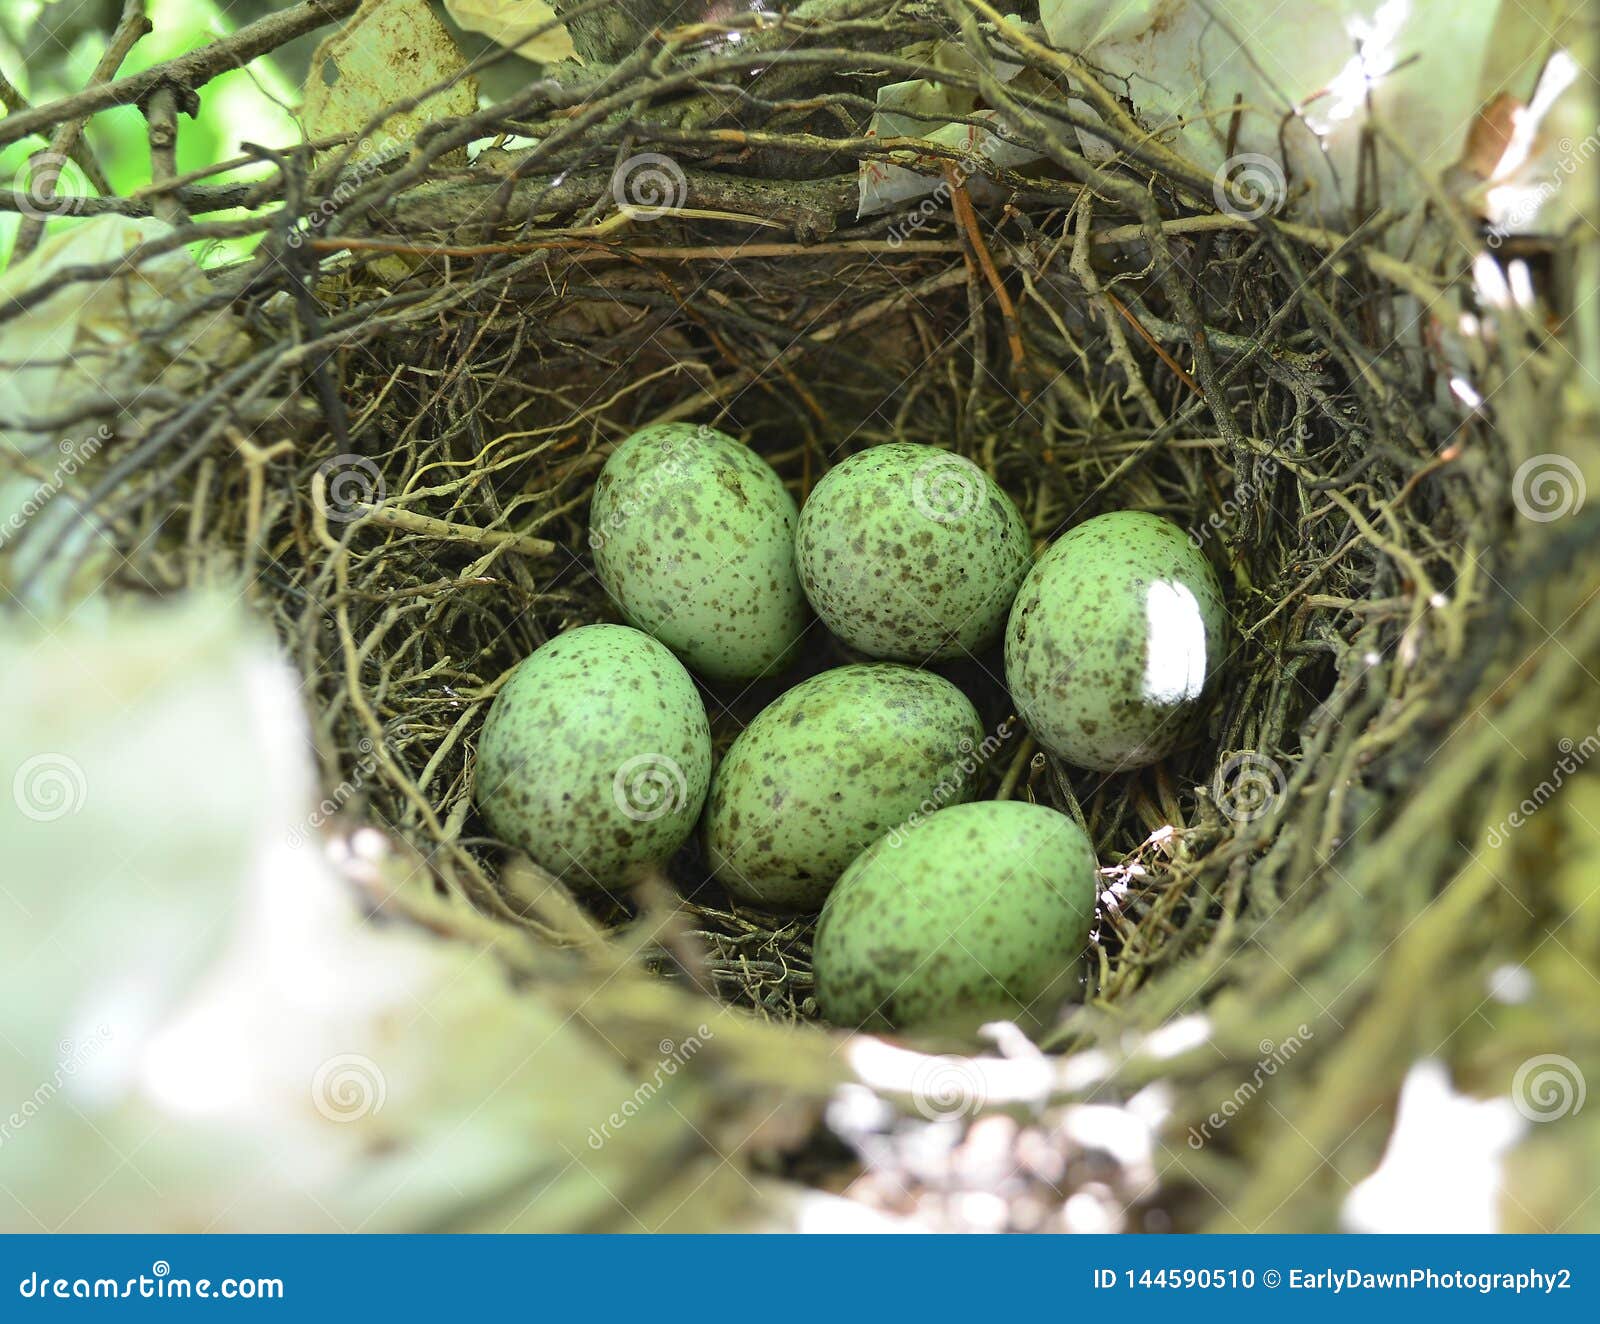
<point>976,912</point>
<point>811,780</point>
<point>596,756</point>
<point>726,600</point>
<point>911,552</point>
<point>1113,641</point>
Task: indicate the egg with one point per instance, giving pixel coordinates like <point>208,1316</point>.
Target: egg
<point>595,757</point>
<point>827,767</point>
<point>977,912</point>
<point>911,552</point>
<point>1113,640</point>
<point>693,537</point>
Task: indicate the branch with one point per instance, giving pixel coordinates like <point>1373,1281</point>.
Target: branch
<point>66,139</point>
<point>810,208</point>
<point>16,104</point>
<point>190,70</point>
<point>161,114</point>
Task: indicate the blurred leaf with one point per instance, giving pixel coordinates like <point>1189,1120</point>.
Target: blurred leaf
<point>92,346</point>
<point>510,22</point>
<point>207,1029</point>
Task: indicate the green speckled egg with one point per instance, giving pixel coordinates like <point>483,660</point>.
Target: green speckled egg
<point>827,767</point>
<point>693,536</point>
<point>975,913</point>
<point>911,552</point>
<point>595,756</point>
<point>1113,639</point>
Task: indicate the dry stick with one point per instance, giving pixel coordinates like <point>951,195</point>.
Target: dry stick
<point>1013,774</point>
<point>256,459</point>
<point>368,718</point>
<point>862,317</point>
<point>190,70</point>
<point>1161,351</point>
<point>161,113</point>
<point>1381,264</point>
<point>132,26</point>
<point>968,218</point>
<point>810,207</point>
<point>198,200</point>
<point>429,527</point>
<point>590,251</point>
<point>592,105</point>
<point>1323,239</point>
<point>79,152</point>
<point>1134,198</point>
<point>1080,264</point>
<point>1083,78</point>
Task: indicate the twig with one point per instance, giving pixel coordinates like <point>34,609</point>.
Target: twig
<point>191,70</point>
<point>411,522</point>
<point>161,114</point>
<point>961,202</point>
<point>67,138</point>
<point>690,253</point>
<point>1080,265</point>
<point>79,152</point>
<point>1154,344</point>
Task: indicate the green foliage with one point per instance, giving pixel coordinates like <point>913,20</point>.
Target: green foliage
<point>243,106</point>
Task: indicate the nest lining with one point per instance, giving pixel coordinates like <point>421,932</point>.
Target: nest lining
<point>479,434</point>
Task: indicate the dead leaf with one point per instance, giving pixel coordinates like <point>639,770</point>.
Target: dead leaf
<point>1490,133</point>
<point>389,51</point>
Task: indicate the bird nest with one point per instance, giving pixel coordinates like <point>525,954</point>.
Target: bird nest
<point>444,352</point>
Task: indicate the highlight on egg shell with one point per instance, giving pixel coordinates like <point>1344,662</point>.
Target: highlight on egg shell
<point>828,766</point>
<point>1114,640</point>
<point>912,553</point>
<point>693,537</point>
<point>978,912</point>
<point>595,757</point>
